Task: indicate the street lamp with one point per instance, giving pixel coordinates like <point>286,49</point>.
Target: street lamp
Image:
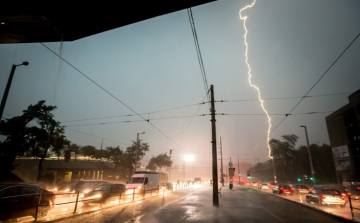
<point>187,157</point>
<point>308,147</point>
<point>137,148</point>
<point>3,101</point>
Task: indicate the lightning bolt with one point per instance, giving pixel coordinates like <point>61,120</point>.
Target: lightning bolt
<point>244,18</point>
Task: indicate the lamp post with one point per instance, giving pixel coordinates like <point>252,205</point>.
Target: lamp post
<point>137,148</point>
<point>308,147</point>
<point>6,92</point>
<point>187,157</point>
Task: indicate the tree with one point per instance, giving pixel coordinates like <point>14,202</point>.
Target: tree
<point>158,162</point>
<point>88,151</point>
<point>134,152</point>
<point>283,153</point>
<point>61,144</point>
<point>22,139</point>
<point>75,148</point>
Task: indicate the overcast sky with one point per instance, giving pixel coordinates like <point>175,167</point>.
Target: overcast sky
<point>150,70</point>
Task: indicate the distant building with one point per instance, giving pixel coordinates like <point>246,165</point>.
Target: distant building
<point>26,170</point>
<point>343,128</point>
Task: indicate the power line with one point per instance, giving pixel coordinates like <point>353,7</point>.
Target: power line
<point>119,116</point>
<point>218,101</point>
<point>318,80</point>
<point>197,46</point>
<point>110,94</point>
<point>302,98</point>
<point>96,136</point>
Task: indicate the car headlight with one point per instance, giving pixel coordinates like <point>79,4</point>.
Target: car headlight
<point>67,190</point>
<point>97,196</point>
<point>86,191</point>
<point>55,189</point>
<point>139,187</point>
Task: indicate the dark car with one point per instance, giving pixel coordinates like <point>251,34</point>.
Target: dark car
<point>283,189</point>
<point>89,185</point>
<point>20,200</point>
<point>104,193</point>
<point>323,195</point>
<point>355,191</point>
<point>301,189</point>
<point>68,187</point>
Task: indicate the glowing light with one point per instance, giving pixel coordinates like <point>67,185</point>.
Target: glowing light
<point>189,157</point>
<point>244,18</point>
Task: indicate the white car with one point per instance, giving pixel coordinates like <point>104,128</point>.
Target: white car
<point>264,186</point>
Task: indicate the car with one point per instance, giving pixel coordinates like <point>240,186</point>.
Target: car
<point>300,189</point>
<point>285,189</point>
<point>264,186</point>
<point>19,200</point>
<point>355,191</point>
<point>89,185</point>
<point>324,195</point>
<point>104,193</point>
<point>167,186</point>
<point>68,187</point>
<point>344,190</point>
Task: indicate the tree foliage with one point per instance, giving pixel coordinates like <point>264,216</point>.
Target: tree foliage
<point>23,139</point>
<point>292,163</point>
<point>158,162</point>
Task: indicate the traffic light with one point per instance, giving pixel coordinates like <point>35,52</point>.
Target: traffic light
<point>299,180</point>
<point>311,178</point>
<point>239,174</point>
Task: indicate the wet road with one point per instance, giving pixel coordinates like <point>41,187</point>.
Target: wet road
<point>195,205</point>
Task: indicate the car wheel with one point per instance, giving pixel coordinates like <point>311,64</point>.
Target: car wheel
<point>43,211</point>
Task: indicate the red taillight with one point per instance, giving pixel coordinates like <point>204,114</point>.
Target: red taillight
<point>291,189</point>
<point>323,196</point>
<point>281,188</point>
<point>342,198</point>
<point>348,194</point>
<point>358,188</point>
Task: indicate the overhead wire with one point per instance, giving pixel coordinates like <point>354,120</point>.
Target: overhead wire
<point>197,46</point>
<point>117,99</point>
<point>302,98</point>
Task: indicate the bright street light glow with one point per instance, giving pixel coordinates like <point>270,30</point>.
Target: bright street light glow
<point>189,157</point>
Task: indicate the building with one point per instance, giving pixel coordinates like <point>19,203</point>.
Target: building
<point>343,128</point>
<point>55,171</point>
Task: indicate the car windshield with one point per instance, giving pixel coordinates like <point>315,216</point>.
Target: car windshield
<point>136,180</point>
<point>103,187</point>
<point>286,186</point>
<point>90,184</point>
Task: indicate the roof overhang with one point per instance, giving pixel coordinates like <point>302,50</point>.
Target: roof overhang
<point>35,22</point>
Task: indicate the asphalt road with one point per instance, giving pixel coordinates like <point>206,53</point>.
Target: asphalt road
<point>196,205</point>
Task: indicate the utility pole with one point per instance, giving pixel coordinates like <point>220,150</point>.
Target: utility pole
<point>222,167</point>
<point>214,152</point>
<point>170,165</point>
<point>309,152</point>
<point>238,167</point>
<point>137,148</point>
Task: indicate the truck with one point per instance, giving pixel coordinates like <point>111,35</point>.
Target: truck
<point>144,180</point>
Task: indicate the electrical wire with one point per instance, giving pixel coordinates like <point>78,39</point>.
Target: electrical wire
<point>110,94</point>
<point>197,46</point>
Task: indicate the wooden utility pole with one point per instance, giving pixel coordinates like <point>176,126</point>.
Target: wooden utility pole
<point>214,152</point>
<point>222,167</point>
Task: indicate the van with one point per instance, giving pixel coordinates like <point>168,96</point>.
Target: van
<point>144,180</point>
